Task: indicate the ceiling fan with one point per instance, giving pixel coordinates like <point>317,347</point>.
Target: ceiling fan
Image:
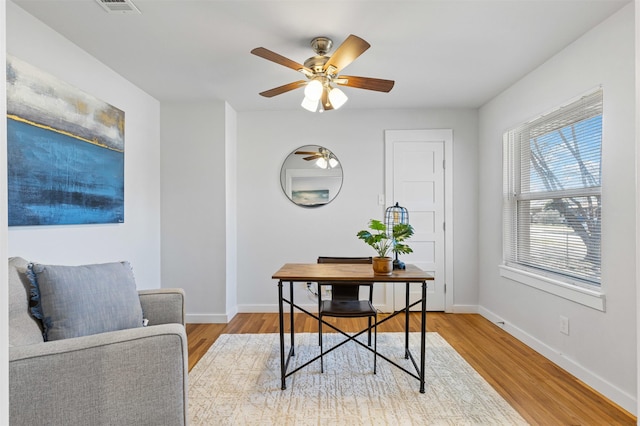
<point>325,159</point>
<point>323,72</point>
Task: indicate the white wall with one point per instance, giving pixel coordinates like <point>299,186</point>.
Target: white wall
<point>138,238</point>
<point>194,179</point>
<point>273,231</point>
<point>601,347</point>
<point>231,204</point>
<point>637,56</point>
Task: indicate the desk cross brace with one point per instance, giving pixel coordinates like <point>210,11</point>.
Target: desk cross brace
<point>408,354</point>
<point>285,364</point>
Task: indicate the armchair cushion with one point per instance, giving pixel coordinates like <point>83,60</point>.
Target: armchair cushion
<point>82,300</point>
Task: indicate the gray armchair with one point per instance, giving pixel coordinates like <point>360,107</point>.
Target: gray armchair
<point>128,377</point>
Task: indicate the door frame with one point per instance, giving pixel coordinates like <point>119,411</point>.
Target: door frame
<point>432,135</point>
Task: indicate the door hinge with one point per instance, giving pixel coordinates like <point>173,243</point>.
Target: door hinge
<point>444,164</point>
<point>445,288</point>
<point>444,226</point>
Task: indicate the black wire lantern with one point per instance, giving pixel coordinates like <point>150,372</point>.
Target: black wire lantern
<point>394,216</point>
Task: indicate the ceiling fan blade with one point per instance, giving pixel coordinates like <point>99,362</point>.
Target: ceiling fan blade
<point>307,152</point>
<point>313,157</point>
<point>368,83</point>
<point>346,53</point>
<point>282,89</point>
<point>279,59</point>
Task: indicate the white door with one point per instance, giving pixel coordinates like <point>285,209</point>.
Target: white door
<point>415,179</point>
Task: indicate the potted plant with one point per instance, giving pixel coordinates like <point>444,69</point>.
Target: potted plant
<point>376,236</point>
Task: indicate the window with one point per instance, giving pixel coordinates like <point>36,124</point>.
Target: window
<point>552,194</point>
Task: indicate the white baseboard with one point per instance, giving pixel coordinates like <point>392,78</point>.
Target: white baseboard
<point>615,394</point>
<point>207,318</point>
<point>232,313</point>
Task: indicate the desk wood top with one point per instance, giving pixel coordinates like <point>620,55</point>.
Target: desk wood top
<point>335,272</point>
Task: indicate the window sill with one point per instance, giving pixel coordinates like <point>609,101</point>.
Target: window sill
<point>584,296</point>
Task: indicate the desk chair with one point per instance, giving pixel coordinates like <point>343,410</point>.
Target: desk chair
<point>345,303</point>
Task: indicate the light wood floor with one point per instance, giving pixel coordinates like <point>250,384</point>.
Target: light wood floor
<point>543,393</point>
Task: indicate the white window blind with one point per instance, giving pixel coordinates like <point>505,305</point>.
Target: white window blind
<point>552,193</point>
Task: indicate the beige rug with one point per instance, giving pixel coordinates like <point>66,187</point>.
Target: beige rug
<point>237,382</point>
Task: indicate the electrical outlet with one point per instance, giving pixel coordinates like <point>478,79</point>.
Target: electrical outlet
<point>564,325</point>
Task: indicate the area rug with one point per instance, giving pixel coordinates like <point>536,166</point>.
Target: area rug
<point>237,382</point>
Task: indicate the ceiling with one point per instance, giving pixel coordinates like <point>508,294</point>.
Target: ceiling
<point>441,53</point>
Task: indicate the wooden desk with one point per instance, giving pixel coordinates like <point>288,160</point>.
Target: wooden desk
<point>337,273</point>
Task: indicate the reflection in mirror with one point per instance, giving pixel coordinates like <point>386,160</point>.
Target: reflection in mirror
<point>311,176</point>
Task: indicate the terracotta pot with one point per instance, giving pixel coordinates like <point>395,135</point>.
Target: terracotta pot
<point>382,266</point>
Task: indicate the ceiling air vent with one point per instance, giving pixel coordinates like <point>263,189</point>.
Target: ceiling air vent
<point>118,6</point>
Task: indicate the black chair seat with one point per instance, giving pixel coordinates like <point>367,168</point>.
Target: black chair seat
<point>347,308</point>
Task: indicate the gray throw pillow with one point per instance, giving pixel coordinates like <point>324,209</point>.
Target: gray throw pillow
<point>78,301</point>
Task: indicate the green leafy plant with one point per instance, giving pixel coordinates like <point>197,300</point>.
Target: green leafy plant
<point>401,233</point>
<point>376,236</point>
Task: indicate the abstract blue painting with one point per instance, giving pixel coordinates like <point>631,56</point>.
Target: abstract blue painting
<point>65,152</point>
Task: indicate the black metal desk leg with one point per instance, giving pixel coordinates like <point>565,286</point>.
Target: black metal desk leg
<point>293,343</point>
<point>281,320</point>
<point>406,323</point>
<point>423,329</point>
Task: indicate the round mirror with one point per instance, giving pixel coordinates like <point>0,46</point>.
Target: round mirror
<point>311,176</point>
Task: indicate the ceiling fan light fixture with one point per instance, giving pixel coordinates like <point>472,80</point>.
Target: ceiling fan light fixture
<point>310,104</point>
<point>332,162</point>
<point>313,91</point>
<point>337,98</point>
<point>322,163</point>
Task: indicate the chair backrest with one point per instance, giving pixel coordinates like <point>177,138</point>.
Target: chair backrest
<point>23,328</point>
<point>346,291</point>
<point>327,259</point>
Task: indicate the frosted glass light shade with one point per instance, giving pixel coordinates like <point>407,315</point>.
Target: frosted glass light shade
<point>322,163</point>
<point>337,98</point>
<point>313,90</point>
<point>310,104</point>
